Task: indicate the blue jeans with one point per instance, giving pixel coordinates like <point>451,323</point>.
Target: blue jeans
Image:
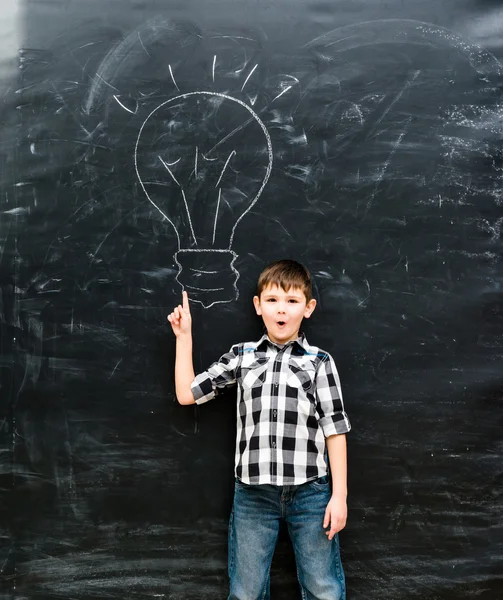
<point>253,532</point>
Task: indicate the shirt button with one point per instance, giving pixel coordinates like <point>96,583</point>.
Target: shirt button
<point>274,444</point>
<point>275,413</point>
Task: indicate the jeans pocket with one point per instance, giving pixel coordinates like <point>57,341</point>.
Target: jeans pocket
<point>321,483</point>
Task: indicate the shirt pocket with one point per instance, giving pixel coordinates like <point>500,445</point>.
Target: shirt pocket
<point>254,374</point>
<point>301,376</point>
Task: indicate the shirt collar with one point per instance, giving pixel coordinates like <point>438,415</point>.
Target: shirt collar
<point>300,342</point>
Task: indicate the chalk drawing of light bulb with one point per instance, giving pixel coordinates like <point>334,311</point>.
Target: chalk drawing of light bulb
<point>203,160</point>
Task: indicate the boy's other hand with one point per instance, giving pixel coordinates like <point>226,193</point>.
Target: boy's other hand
<point>336,514</point>
<point>180,318</point>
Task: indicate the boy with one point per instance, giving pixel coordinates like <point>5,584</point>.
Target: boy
<point>290,415</point>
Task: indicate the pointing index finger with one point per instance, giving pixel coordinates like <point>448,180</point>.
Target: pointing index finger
<point>185,300</point>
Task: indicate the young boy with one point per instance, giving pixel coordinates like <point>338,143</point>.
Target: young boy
<point>290,416</point>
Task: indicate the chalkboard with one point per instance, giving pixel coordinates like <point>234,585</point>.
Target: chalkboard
<point>153,146</point>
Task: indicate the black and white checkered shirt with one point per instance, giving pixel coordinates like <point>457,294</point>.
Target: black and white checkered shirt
<point>288,401</point>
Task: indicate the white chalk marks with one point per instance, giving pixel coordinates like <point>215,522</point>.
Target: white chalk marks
<point>364,119</point>
<point>404,31</point>
<point>386,164</point>
<point>214,186</point>
<point>249,75</point>
<point>173,77</point>
<point>216,217</point>
<point>233,153</point>
<point>120,103</point>
<point>386,102</point>
<point>170,171</point>
<point>202,157</point>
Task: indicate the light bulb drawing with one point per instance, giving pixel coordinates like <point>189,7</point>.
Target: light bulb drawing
<point>203,160</point>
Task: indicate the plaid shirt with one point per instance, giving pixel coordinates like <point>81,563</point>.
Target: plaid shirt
<point>288,401</point>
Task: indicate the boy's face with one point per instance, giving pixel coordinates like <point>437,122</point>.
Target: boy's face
<point>283,312</point>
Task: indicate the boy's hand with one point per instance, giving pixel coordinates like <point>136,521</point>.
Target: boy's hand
<point>336,514</point>
<point>180,319</point>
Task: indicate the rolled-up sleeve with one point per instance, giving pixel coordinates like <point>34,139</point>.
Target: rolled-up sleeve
<point>220,375</point>
<point>333,417</point>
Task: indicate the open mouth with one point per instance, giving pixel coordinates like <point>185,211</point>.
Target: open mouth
<point>281,323</point>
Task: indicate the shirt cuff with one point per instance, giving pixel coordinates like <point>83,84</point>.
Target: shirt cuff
<point>335,424</point>
<point>202,388</point>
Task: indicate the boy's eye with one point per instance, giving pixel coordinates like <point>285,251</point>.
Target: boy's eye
<point>293,301</point>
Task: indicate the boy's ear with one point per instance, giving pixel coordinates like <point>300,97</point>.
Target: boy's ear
<point>310,306</point>
<point>256,304</point>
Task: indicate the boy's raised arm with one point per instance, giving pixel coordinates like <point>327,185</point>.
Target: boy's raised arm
<point>181,324</point>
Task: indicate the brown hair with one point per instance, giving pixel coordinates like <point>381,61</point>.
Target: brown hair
<point>286,274</point>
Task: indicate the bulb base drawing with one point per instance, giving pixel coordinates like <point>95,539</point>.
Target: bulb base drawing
<point>208,276</point>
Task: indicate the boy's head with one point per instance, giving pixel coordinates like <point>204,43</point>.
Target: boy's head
<point>286,274</point>
<point>284,298</point>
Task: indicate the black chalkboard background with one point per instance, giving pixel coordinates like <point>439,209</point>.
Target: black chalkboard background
<point>384,120</point>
